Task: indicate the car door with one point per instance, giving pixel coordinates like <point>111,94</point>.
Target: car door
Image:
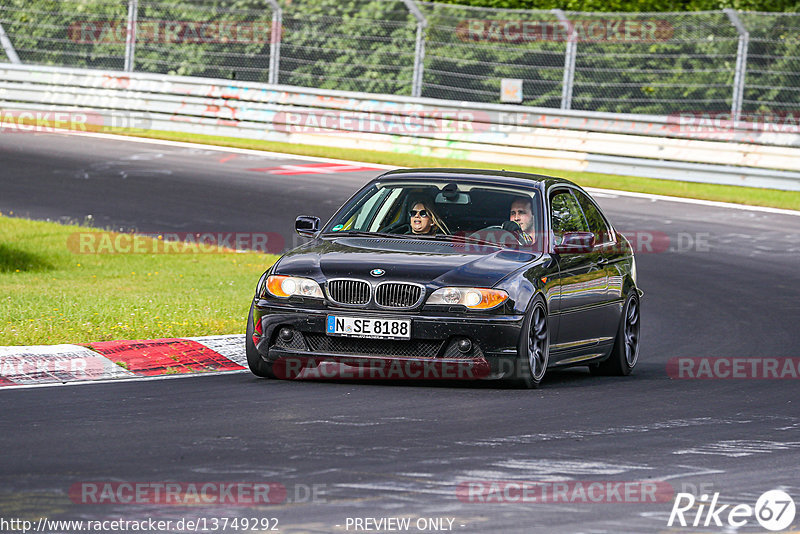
<point>582,280</point>
<point>611,260</point>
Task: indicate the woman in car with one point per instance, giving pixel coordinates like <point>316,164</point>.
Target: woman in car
<point>422,219</point>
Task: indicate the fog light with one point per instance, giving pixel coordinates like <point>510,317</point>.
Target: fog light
<point>286,334</point>
<point>464,345</point>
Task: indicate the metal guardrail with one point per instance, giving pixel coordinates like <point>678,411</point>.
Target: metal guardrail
<point>650,146</point>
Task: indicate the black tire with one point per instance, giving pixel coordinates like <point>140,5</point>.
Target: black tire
<point>254,360</point>
<point>625,353</point>
<point>533,352</point>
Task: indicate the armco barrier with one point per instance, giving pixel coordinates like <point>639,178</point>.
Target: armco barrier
<point>638,145</point>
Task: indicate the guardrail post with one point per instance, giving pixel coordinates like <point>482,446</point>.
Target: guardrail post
<point>569,58</point>
<point>275,36</point>
<point>130,34</point>
<point>419,48</point>
<point>8,47</point>
<point>741,64</point>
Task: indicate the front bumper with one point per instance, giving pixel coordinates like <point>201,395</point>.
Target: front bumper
<point>433,351</point>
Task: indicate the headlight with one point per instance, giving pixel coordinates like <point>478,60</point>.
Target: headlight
<point>290,286</point>
<point>475,298</point>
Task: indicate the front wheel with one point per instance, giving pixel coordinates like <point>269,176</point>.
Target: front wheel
<point>254,360</point>
<point>626,345</point>
<point>533,352</point>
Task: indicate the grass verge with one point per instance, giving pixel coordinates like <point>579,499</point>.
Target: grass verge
<point>723,193</point>
<point>49,294</point>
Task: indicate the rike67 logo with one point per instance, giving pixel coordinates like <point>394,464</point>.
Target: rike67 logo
<point>774,510</point>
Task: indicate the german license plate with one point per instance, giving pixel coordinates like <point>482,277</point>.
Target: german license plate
<point>369,327</point>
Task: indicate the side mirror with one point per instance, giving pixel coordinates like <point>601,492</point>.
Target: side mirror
<point>576,243</point>
<point>306,225</point>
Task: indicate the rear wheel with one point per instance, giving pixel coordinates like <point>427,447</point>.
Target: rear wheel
<point>626,345</point>
<point>254,360</point>
<point>533,352</point>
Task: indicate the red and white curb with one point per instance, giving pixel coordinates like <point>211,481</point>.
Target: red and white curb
<point>109,360</point>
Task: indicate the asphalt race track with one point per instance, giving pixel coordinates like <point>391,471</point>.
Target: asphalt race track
<point>725,283</point>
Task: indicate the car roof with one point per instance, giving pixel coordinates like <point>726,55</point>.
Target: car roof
<point>500,177</point>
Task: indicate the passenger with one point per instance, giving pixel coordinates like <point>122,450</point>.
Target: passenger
<point>522,214</point>
<point>422,219</point>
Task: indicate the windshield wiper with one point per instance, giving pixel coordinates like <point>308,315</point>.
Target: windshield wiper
<point>362,233</point>
<point>437,237</point>
<point>462,238</point>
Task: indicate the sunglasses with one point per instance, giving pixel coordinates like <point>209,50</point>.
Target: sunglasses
<point>422,213</point>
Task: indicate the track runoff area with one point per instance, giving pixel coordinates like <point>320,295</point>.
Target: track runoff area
<point>702,436</point>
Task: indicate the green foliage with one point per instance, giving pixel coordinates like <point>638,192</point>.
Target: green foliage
<point>228,39</point>
<point>369,46</point>
<point>48,32</point>
<point>633,6</point>
<point>351,45</point>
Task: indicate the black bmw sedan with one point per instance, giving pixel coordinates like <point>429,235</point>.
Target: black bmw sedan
<point>450,274</point>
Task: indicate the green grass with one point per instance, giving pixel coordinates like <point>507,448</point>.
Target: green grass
<point>723,193</point>
<point>50,294</point>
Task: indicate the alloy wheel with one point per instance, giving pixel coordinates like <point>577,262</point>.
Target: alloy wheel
<point>538,343</point>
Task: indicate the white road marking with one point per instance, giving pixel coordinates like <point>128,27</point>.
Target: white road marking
<point>582,434</point>
<point>735,448</point>
<point>701,472</point>
<point>569,467</point>
<point>710,203</point>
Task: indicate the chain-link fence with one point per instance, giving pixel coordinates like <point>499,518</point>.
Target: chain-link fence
<point>656,63</point>
<point>773,62</point>
<point>360,45</point>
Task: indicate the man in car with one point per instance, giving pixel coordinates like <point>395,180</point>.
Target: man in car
<point>522,214</point>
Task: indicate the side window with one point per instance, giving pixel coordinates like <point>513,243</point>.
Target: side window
<point>597,224</point>
<point>565,215</point>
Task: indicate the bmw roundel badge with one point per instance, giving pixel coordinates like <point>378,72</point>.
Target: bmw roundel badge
<point>377,272</point>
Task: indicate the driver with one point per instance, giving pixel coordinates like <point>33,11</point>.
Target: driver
<point>422,219</point>
<point>522,214</point>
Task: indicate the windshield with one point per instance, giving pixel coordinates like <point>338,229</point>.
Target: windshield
<point>500,215</point>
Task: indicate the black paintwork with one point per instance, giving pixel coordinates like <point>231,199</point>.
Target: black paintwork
<point>584,292</point>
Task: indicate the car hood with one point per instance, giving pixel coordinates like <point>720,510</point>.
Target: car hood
<point>443,263</point>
